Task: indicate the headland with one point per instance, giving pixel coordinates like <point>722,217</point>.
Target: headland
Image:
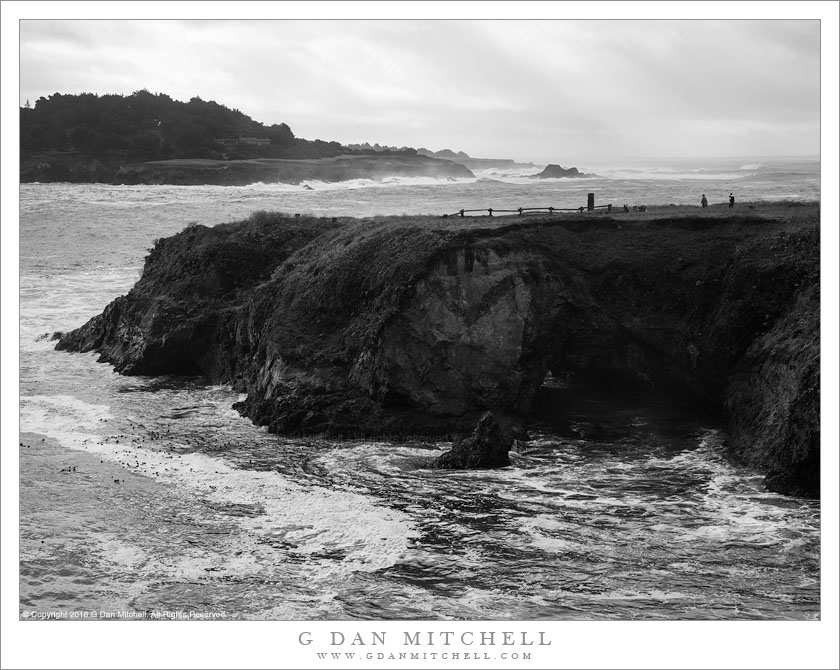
<point>419,325</point>
<point>201,171</point>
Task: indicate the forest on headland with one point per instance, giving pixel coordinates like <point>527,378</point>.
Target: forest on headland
<point>147,126</point>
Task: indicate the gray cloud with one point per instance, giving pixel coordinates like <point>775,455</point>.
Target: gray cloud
<point>531,90</point>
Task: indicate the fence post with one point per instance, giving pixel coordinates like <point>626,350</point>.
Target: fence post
<point>491,211</point>
<point>590,201</point>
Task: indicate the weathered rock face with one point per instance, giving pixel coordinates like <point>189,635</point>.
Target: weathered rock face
<point>182,315</point>
<point>457,345</point>
<point>774,399</point>
<point>418,326</point>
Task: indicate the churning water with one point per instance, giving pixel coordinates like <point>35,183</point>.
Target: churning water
<point>152,494</point>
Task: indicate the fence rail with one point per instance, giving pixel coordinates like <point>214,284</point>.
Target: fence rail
<point>590,206</point>
<point>521,210</point>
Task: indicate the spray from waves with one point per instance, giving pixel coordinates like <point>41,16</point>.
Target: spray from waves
<point>310,521</point>
<point>668,174</point>
<point>73,297</point>
<point>272,187</point>
<point>647,173</point>
<point>505,173</point>
<point>516,175</point>
<point>354,184</point>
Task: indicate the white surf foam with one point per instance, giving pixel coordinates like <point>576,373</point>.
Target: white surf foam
<point>310,520</point>
<point>354,184</point>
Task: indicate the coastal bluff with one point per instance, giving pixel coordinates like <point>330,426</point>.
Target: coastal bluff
<point>204,171</point>
<point>288,171</point>
<point>419,325</point>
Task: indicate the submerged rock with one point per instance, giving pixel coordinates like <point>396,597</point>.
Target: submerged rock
<point>398,326</point>
<point>487,447</point>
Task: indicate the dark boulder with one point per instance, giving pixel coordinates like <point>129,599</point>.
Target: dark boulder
<point>487,447</point>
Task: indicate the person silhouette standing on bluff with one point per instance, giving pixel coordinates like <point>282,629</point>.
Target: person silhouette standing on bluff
<point>731,201</point>
<point>703,202</point>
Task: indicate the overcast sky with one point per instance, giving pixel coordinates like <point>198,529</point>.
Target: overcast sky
<point>562,91</point>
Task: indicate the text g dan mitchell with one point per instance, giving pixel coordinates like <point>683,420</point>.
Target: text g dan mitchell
<point>429,639</point>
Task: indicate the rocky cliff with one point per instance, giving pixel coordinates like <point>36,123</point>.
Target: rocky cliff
<point>195,171</point>
<point>68,166</point>
<point>270,170</point>
<point>420,325</point>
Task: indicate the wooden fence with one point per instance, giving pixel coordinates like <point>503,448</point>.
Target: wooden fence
<point>521,210</point>
<point>590,206</point>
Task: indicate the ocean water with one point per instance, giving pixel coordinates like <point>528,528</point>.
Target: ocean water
<point>151,497</point>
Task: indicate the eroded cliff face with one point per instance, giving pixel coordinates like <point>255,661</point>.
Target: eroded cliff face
<point>773,399</point>
<point>458,345</point>
<point>419,326</point>
<point>183,315</point>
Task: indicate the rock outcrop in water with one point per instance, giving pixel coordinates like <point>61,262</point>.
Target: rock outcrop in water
<point>487,447</point>
<point>552,171</point>
<point>419,326</point>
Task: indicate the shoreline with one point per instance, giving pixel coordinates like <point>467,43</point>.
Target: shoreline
<point>238,172</point>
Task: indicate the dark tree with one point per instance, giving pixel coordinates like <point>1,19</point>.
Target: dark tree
<point>146,126</point>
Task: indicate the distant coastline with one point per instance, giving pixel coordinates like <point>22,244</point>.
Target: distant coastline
<point>200,171</point>
<point>146,138</point>
<point>74,167</point>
